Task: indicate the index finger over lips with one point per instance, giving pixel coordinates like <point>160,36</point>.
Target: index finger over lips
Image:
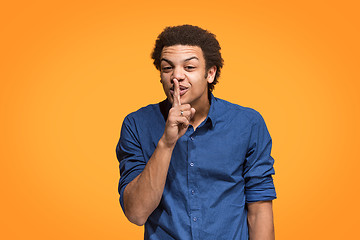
<point>176,96</point>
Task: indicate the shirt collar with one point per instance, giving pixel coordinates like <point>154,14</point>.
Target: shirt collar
<point>211,117</point>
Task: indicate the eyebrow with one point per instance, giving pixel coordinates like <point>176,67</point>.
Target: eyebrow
<point>170,62</point>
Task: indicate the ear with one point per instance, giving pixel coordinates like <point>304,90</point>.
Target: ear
<point>211,74</point>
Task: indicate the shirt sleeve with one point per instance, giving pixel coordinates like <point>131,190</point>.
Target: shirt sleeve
<point>258,167</point>
<point>130,156</point>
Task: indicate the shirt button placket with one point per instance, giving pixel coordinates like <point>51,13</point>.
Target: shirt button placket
<point>194,208</point>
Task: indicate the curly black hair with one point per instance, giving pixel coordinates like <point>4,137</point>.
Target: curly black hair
<point>192,36</point>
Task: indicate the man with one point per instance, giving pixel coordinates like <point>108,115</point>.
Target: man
<point>195,166</point>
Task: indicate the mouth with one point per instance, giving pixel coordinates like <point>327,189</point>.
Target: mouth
<point>183,90</point>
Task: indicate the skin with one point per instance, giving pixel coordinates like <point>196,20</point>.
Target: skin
<point>186,64</point>
<point>260,221</point>
<point>185,79</point>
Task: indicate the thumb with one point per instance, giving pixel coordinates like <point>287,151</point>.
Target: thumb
<point>192,112</point>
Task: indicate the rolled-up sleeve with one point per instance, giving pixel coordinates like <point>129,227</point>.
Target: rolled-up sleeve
<point>258,168</point>
<point>129,155</point>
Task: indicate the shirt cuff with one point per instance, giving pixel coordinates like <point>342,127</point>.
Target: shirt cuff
<point>263,190</point>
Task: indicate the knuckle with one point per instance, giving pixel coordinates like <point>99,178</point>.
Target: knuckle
<point>171,118</point>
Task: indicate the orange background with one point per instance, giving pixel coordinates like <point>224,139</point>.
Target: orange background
<point>72,70</point>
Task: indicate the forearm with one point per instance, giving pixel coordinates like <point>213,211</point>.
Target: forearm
<point>143,194</point>
<point>260,221</point>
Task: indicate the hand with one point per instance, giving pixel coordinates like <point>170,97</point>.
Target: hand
<point>178,119</point>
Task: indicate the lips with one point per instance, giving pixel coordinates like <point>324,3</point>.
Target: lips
<point>183,90</point>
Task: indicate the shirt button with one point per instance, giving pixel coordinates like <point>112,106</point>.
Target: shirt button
<point>191,164</point>
<point>192,138</point>
<point>195,219</point>
<point>192,192</point>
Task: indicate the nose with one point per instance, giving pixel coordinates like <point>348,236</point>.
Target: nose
<point>178,73</point>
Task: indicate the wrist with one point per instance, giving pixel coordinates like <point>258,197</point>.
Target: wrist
<point>166,144</point>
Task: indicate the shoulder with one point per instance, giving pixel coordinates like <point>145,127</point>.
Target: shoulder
<point>136,121</point>
<point>144,113</point>
<point>231,110</point>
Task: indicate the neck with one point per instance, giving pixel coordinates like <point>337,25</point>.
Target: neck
<point>202,108</point>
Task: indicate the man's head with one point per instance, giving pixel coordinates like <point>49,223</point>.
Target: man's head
<point>188,35</point>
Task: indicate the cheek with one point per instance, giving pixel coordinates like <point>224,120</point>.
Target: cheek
<point>164,77</point>
<point>199,80</point>
<point>166,85</point>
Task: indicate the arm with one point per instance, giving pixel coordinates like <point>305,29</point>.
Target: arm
<point>259,186</point>
<point>143,194</point>
<point>260,221</point>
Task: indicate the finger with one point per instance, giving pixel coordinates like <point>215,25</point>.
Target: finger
<point>187,111</point>
<point>176,96</point>
<point>182,121</point>
<point>185,107</point>
<point>186,114</point>
<point>192,110</point>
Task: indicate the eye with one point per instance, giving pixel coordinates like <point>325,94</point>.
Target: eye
<point>166,68</point>
<point>190,68</point>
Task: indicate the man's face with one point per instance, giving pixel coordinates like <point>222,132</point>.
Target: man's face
<point>187,65</point>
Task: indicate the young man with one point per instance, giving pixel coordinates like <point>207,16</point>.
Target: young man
<point>195,166</point>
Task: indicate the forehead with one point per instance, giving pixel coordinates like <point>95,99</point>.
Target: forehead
<point>182,51</point>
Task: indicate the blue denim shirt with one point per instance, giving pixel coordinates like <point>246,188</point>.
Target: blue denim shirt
<point>214,171</point>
